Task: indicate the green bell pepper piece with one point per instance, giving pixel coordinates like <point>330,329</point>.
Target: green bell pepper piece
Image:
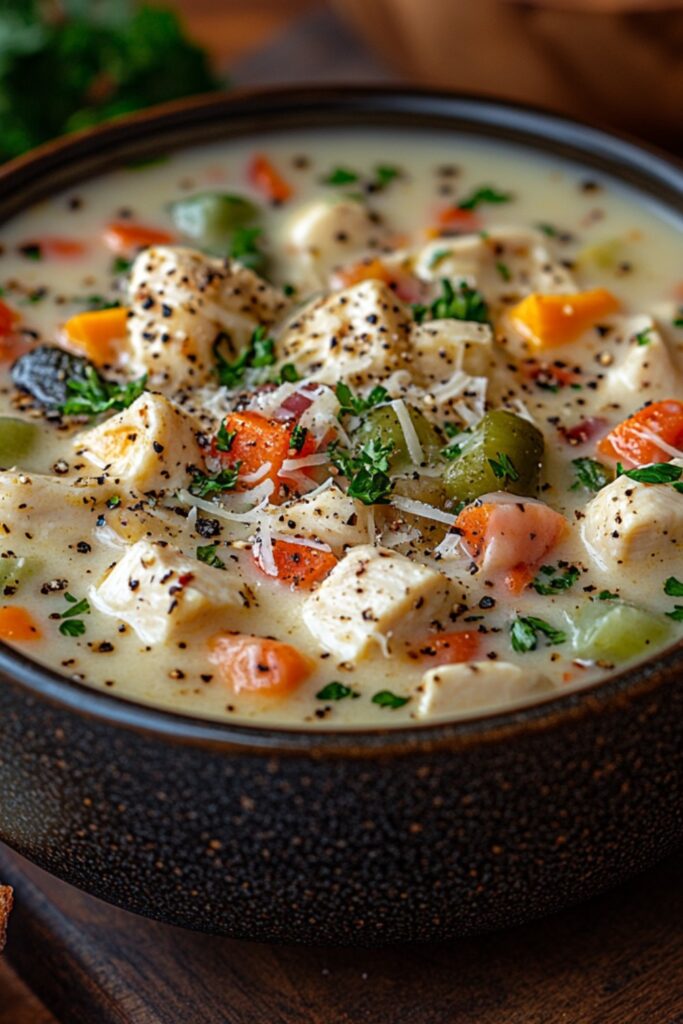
<point>503,453</point>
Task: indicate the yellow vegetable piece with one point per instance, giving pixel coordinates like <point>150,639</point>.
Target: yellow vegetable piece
<point>547,320</point>
<point>98,334</point>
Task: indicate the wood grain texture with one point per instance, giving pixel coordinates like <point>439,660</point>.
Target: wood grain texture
<point>616,960</point>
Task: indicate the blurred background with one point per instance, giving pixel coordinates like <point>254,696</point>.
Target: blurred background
<point>65,64</point>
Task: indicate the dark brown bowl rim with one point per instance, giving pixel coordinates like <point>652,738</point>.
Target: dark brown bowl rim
<point>46,170</point>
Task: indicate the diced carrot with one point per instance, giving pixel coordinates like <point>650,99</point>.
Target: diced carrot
<point>253,664</point>
<point>7,320</point>
<point>55,247</point>
<point>510,537</point>
<point>98,333</point>
<point>373,269</point>
<point>453,219</point>
<point>450,648</point>
<point>17,624</point>
<point>634,442</point>
<point>297,564</point>
<point>547,320</point>
<point>258,441</point>
<point>126,238</point>
<point>267,179</point>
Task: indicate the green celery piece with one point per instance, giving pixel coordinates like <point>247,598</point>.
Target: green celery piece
<point>209,219</point>
<point>615,631</point>
<point>13,571</point>
<point>18,442</point>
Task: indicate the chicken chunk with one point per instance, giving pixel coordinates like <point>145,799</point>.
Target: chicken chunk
<point>359,335</point>
<point>329,516</point>
<point>375,597</point>
<point>528,265</point>
<point>28,502</point>
<point>147,447</point>
<point>644,369</point>
<point>326,235</point>
<point>453,689</point>
<point>444,347</point>
<point>181,302</point>
<point>631,526</point>
<point>161,593</point>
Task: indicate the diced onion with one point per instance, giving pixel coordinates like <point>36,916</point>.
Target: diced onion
<point>409,432</point>
<point>421,508</point>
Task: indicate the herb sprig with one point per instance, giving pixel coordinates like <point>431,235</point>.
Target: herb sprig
<point>463,303</point>
<point>553,579</point>
<point>72,626</point>
<point>93,394</point>
<point>356,405</point>
<point>366,470</point>
<point>205,485</point>
<point>524,633</point>
<point>590,474</point>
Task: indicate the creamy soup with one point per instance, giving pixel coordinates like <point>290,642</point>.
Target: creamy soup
<point>345,429</point>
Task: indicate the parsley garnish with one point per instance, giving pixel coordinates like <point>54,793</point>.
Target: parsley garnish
<point>524,633</point>
<point>486,194</point>
<point>606,595</point>
<point>224,438</point>
<point>643,337</point>
<point>340,176</point>
<point>207,554</point>
<point>387,699</point>
<point>355,405</point>
<point>120,265</point>
<point>548,229</point>
<point>503,270</point>
<point>657,473</point>
<point>244,247</point>
<point>204,485</point>
<point>297,438</point>
<point>114,501</point>
<point>71,626</point>
<point>334,691</point>
<point>452,452</point>
<point>384,174</point>
<point>590,474</point>
<point>31,251</point>
<point>259,353</point>
<point>555,580</point>
<point>678,319</point>
<point>676,614</point>
<point>504,468</point>
<point>366,471</point>
<point>673,587</point>
<point>94,395</point>
<point>465,303</point>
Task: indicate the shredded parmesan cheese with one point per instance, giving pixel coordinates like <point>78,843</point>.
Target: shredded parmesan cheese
<point>409,432</point>
<point>219,511</point>
<point>421,508</point>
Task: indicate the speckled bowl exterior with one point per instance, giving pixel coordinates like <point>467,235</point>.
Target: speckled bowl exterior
<point>347,837</point>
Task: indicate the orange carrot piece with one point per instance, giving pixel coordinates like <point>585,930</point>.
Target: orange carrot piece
<point>126,238</point>
<point>17,624</point>
<point>547,320</point>
<point>632,441</point>
<point>452,218</point>
<point>267,179</point>
<point>254,664</point>
<point>450,648</point>
<point>98,333</point>
<point>258,440</point>
<point>56,247</point>
<point>297,564</point>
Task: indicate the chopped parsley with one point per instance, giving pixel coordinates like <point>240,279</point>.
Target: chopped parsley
<point>503,270</point>
<point>353,404</point>
<point>384,174</point>
<point>504,468</point>
<point>120,265</point>
<point>485,194</point>
<point>676,614</point>
<point>259,353</point>
<point>524,633</point>
<point>643,337</point>
<point>288,374</point>
<point>465,303</point>
<point>452,452</point>
<point>552,580</point>
<point>297,438</point>
<point>341,176</point>
<point>657,473</point>
<point>204,485</point>
<point>114,501</point>
<point>224,438</point>
<point>678,319</point>
<point>244,247</point>
<point>207,554</point>
<point>673,587</point>
<point>31,251</point>
<point>72,626</point>
<point>590,474</point>
<point>607,595</point>
<point>334,691</point>
<point>93,395</point>
<point>548,229</point>
<point>366,471</point>
<point>387,699</point>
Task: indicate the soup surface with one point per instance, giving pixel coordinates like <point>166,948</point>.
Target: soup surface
<point>345,429</point>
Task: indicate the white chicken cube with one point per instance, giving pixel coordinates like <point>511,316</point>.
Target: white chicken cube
<point>181,302</point>
<point>325,235</point>
<point>631,527</point>
<point>147,447</point>
<point>359,335</point>
<point>644,369</point>
<point>375,597</point>
<point>452,689</point>
<point>28,504</point>
<point>329,516</point>
<point>161,593</point>
<point>442,347</point>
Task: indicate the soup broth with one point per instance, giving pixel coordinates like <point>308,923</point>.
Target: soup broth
<point>345,429</point>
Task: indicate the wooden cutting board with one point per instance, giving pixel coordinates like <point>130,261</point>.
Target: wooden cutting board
<point>615,960</point>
